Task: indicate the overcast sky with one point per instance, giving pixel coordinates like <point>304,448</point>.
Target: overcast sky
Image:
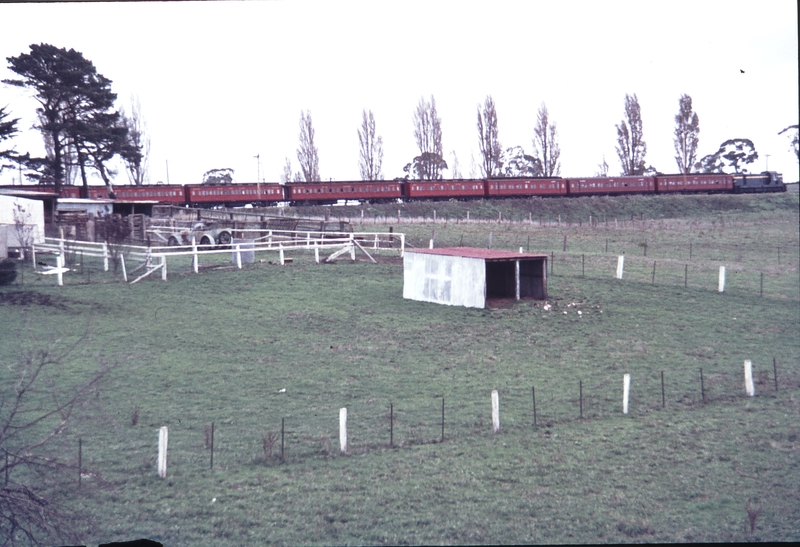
<point>222,82</point>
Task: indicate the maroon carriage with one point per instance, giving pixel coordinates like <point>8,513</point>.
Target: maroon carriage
<point>611,185</point>
<point>331,192</point>
<point>694,182</point>
<point>523,187</point>
<point>444,189</point>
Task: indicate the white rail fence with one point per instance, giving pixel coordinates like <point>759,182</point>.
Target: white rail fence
<point>281,242</point>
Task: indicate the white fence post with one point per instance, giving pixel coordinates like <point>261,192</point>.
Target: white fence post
<point>105,256</point>
<point>60,266</point>
<point>402,245</point>
<point>162,452</point>
<point>238,256</point>
<point>194,255</point>
<point>316,252</point>
<point>124,271</point>
<point>352,248</point>
<point>280,251</point>
<point>722,279</point>
<point>620,266</point>
<point>626,389</point>
<point>495,411</point>
<point>163,267</point>
<point>343,430</point>
<point>748,378</point>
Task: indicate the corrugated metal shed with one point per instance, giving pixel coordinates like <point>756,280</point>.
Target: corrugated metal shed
<point>467,276</point>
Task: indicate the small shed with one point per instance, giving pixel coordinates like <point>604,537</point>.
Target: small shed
<point>23,219</point>
<point>466,276</point>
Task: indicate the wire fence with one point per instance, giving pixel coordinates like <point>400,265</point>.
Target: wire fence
<point>375,424</point>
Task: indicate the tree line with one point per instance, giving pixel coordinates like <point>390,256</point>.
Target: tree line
<point>82,130</point>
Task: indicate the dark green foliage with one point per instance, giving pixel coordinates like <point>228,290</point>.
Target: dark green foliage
<point>8,271</point>
<point>422,167</point>
<point>733,155</point>
<point>76,109</point>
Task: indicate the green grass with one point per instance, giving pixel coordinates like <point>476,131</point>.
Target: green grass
<point>219,346</point>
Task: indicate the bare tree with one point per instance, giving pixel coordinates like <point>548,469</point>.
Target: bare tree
<point>793,135</point>
<point>687,129</point>
<point>138,139</point>
<point>428,134</point>
<point>286,176</point>
<point>307,153</point>
<point>631,147</point>
<point>488,140</point>
<point>371,148</point>
<point>545,144</point>
<point>456,166</point>
<point>37,405</point>
<point>602,168</point>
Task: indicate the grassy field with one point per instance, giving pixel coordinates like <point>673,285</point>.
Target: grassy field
<point>221,345</point>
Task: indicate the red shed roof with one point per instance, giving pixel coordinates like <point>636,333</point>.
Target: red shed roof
<point>472,252</point>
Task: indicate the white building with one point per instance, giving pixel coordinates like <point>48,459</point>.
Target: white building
<point>465,276</point>
<point>20,218</point>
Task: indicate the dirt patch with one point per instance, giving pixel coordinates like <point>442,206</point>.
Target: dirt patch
<point>31,298</point>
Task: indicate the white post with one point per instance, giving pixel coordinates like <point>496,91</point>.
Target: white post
<point>124,271</point>
<point>402,245</point>
<point>620,266</point>
<point>280,252</point>
<point>343,430</point>
<point>516,277</point>
<point>316,252</point>
<point>238,256</point>
<point>270,238</point>
<point>495,411</point>
<point>748,379</point>
<point>194,255</point>
<point>626,389</point>
<point>722,279</point>
<point>352,249</point>
<point>162,452</point>
<point>521,250</point>
<point>430,245</point>
<point>308,240</point>
<point>105,256</point>
<point>60,266</point>
<point>375,245</point>
<point>33,254</point>
<point>163,268</point>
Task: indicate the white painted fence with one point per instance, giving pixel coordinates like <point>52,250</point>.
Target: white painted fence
<point>154,258</point>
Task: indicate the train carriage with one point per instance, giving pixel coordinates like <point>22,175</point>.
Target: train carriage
<point>523,187</point>
<point>331,192</point>
<point>233,194</point>
<point>172,194</point>
<point>611,185</point>
<point>444,189</point>
<point>694,182</point>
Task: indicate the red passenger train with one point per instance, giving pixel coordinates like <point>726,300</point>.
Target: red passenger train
<point>325,193</point>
